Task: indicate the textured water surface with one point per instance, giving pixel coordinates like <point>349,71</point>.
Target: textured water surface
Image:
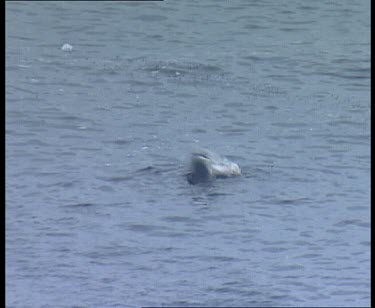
<point>98,209</point>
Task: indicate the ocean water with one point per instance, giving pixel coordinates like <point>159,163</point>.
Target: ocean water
<point>98,133</point>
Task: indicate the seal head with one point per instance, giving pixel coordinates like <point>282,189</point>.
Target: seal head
<point>206,166</point>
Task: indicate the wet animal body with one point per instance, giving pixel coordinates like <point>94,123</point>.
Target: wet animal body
<point>206,166</point>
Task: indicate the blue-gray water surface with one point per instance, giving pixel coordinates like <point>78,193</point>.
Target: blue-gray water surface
<point>104,103</point>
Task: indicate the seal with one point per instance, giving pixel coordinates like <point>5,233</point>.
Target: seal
<point>206,166</point>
